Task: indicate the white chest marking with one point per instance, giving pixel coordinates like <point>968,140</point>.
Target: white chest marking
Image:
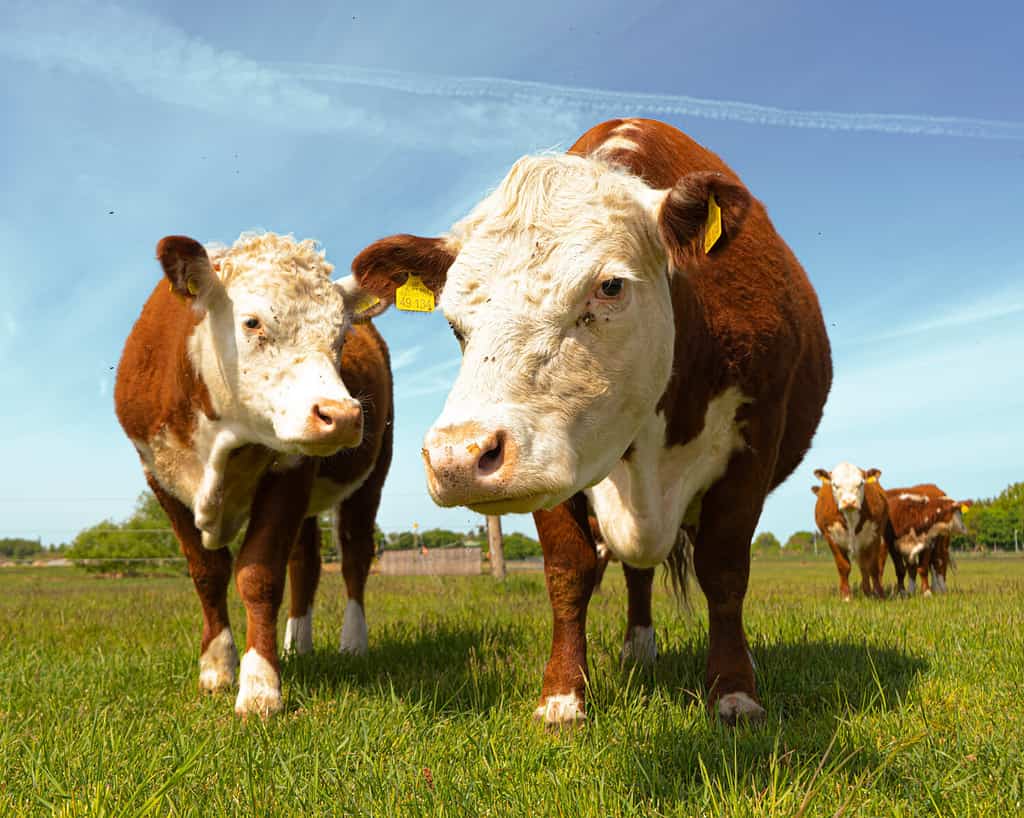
<point>640,505</point>
<point>851,540</point>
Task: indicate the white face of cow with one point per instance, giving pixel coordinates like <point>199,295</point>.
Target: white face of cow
<point>269,346</point>
<point>559,298</point>
<point>848,487</point>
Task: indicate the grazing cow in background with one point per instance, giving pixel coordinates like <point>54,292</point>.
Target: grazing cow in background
<point>851,514</point>
<point>921,519</point>
<point>250,396</point>
<point>636,337</point>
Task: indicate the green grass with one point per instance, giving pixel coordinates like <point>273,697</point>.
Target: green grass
<point>896,708</point>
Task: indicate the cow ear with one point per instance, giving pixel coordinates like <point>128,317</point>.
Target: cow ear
<point>187,266</point>
<point>701,215</point>
<point>385,265</point>
<point>872,475</point>
<point>823,475</point>
<point>361,305</point>
<point>815,489</point>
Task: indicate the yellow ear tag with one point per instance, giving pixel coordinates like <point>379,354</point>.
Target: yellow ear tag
<point>414,296</point>
<point>713,226</point>
<point>964,509</point>
<point>365,303</point>
<point>872,479</point>
<point>824,481</point>
<point>192,286</point>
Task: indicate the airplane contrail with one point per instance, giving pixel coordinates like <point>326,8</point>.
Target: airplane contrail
<point>560,97</point>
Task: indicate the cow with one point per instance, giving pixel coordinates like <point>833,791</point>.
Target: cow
<point>254,390</point>
<point>852,513</point>
<point>636,337</point>
<point>921,520</point>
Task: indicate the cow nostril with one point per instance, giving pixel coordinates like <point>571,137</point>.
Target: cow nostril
<point>324,418</point>
<point>492,460</point>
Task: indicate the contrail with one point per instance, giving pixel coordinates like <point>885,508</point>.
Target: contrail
<point>560,97</point>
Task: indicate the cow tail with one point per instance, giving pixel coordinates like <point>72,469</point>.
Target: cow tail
<point>679,565</point>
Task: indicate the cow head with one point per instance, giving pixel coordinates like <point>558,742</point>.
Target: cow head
<point>556,287</point>
<point>268,340</point>
<point>847,483</point>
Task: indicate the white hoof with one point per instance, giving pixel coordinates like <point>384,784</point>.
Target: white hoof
<point>640,646</point>
<point>736,707</point>
<point>259,687</point>
<point>353,630</point>
<point>218,662</point>
<point>926,592</point>
<point>563,709</point>
<point>298,634</point>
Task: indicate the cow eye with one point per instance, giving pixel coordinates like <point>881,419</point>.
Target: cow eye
<point>251,323</point>
<point>611,288</point>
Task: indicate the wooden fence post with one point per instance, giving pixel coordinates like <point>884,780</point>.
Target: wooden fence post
<point>495,547</point>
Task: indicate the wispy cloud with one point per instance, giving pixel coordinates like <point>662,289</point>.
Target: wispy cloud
<point>429,380</point>
<point>407,356</point>
<point>562,97</point>
<point>155,58</point>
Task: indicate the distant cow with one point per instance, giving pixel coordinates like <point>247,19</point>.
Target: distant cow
<point>635,334</point>
<point>851,514</point>
<point>921,518</point>
<point>250,395</point>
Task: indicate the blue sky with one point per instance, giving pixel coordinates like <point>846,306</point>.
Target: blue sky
<point>887,141</point>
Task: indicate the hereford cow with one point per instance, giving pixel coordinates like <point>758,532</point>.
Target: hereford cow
<point>851,514</point>
<point>921,520</point>
<point>250,395</point>
<point>635,334</point>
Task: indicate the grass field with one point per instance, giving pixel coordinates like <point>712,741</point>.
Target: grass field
<point>897,708</point>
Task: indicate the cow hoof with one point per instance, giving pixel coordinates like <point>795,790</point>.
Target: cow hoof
<point>640,647</point>
<point>354,639</point>
<point>847,599</point>
<point>298,634</point>
<point>738,708</point>
<point>563,710</point>
<point>259,687</point>
<point>926,592</point>
<point>218,662</point>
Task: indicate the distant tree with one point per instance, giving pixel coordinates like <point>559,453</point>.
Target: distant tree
<point>992,523</point>
<point>765,543</point>
<point>440,538</point>
<point>18,548</point>
<point>519,546</point>
<point>800,542</point>
<point>146,533</point>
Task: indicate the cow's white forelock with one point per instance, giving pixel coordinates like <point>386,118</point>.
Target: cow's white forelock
<point>571,376</point>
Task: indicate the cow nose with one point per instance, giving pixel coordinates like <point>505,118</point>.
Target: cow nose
<point>333,421</point>
<point>467,463</point>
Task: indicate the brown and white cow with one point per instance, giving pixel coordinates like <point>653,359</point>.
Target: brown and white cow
<point>635,334</point>
<point>920,518</point>
<point>851,514</point>
<point>250,396</point>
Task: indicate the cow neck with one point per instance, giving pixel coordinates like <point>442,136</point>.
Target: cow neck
<point>697,364</point>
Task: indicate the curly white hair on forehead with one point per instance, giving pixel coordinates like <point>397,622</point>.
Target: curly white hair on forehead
<point>261,250</point>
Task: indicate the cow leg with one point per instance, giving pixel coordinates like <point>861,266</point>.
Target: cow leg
<point>868,563</point>
<point>881,554</point>
<point>729,514</point>
<point>303,579</point>
<point>278,510</point>
<point>843,567</point>
<point>940,564</point>
<point>900,567</point>
<point>640,645</point>
<point>354,524</point>
<point>211,573</point>
<point>570,568</point>
<point>923,567</point>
